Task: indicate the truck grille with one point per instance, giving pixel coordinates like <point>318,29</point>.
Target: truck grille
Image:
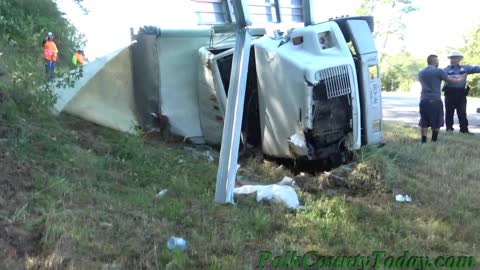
<point>336,80</point>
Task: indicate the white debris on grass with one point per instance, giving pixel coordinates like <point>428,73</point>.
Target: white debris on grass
<point>162,193</point>
<point>403,198</point>
<point>283,192</point>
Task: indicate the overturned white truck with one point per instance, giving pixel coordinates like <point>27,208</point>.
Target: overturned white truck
<point>312,93</point>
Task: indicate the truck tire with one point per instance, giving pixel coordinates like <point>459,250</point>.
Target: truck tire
<point>341,21</point>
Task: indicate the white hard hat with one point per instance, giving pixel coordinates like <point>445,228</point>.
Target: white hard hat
<point>50,34</point>
<point>455,54</point>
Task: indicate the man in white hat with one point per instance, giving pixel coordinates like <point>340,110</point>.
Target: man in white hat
<point>456,93</point>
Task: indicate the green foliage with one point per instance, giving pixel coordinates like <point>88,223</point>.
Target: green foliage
<point>80,5</point>
<point>399,71</point>
<point>389,17</point>
<point>471,52</point>
<point>24,24</point>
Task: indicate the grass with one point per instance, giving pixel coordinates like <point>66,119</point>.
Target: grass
<point>93,204</point>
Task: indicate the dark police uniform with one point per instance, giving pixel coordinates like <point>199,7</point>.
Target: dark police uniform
<point>456,97</point>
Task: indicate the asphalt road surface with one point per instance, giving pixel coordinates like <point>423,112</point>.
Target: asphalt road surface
<point>403,107</point>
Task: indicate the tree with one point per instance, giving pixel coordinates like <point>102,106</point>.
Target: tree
<point>399,71</point>
<point>24,25</point>
<point>471,51</point>
<point>81,6</point>
<point>393,11</point>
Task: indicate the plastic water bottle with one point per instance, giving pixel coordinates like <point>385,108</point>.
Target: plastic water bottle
<point>176,243</point>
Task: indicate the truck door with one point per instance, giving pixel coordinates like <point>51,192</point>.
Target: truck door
<point>368,74</point>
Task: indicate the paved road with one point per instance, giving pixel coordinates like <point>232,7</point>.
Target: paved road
<point>403,107</point>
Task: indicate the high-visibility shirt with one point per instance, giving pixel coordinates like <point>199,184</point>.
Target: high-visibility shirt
<point>77,59</point>
<point>50,51</point>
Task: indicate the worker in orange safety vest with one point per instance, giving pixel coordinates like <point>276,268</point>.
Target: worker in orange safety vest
<point>50,55</point>
<point>78,58</point>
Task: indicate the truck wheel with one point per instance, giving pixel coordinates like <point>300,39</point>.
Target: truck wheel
<point>341,21</point>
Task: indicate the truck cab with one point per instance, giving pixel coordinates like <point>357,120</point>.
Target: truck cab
<point>312,93</point>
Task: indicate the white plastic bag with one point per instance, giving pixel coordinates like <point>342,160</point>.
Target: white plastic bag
<point>277,193</point>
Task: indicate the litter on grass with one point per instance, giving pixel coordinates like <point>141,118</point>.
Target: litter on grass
<point>403,198</point>
<point>283,192</point>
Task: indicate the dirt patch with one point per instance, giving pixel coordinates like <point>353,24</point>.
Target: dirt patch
<point>162,133</point>
<point>16,240</point>
<point>367,178</point>
<point>352,179</point>
<point>163,136</point>
<point>87,134</point>
<point>89,140</point>
<point>62,257</point>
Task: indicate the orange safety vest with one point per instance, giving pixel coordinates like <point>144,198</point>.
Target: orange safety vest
<point>50,51</point>
<point>80,59</point>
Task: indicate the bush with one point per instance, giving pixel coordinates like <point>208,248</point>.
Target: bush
<point>399,72</point>
<point>390,81</point>
<point>471,52</point>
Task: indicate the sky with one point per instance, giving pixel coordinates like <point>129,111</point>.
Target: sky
<point>437,25</point>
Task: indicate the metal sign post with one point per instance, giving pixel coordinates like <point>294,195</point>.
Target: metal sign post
<point>228,163</point>
<point>308,12</point>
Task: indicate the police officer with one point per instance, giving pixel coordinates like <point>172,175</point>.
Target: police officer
<point>456,93</point>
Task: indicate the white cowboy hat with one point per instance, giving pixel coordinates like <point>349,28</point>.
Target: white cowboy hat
<point>455,54</point>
